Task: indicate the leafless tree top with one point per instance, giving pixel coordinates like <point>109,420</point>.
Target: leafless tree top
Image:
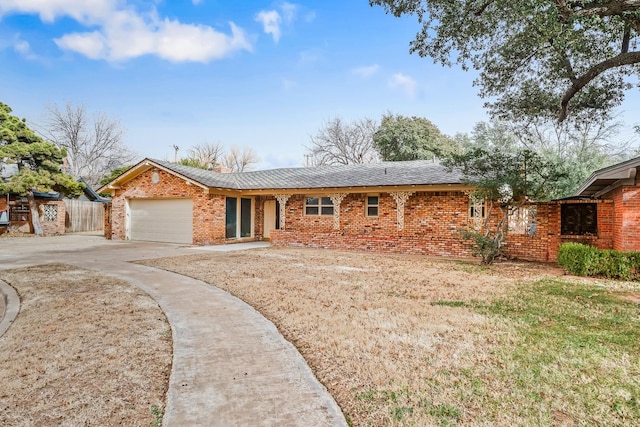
<point>343,143</point>
<point>240,159</point>
<point>94,145</point>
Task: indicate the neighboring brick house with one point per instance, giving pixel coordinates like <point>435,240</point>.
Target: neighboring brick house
<point>16,212</point>
<point>53,210</point>
<point>401,207</point>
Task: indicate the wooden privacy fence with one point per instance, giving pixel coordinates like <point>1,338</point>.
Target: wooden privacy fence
<point>83,215</point>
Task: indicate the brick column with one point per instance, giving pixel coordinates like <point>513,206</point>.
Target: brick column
<point>401,198</point>
<point>337,198</point>
<point>282,199</point>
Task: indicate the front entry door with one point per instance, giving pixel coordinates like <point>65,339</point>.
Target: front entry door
<point>269,217</point>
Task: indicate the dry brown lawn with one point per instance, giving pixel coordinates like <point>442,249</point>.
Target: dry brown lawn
<point>85,349</point>
<point>384,333</point>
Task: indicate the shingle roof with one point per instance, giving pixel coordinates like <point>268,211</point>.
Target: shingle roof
<point>418,172</point>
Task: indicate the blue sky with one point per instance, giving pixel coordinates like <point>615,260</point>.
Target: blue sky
<point>261,74</point>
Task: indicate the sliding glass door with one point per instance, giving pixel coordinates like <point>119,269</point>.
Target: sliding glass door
<point>239,212</point>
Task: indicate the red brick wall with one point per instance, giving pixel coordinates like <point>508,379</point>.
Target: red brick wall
<point>208,210</point>
<point>618,218</point>
<point>604,239</point>
<point>626,218</point>
<point>431,224</point>
<point>533,247</point>
<point>258,218</point>
<point>107,232</point>
<point>58,225</point>
<point>544,245</point>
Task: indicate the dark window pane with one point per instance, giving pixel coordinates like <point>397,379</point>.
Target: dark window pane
<point>476,211</point>
<point>245,217</point>
<point>372,211</point>
<point>579,218</point>
<point>327,201</point>
<point>312,200</point>
<point>231,219</point>
<point>327,210</point>
<point>312,210</point>
<point>372,200</point>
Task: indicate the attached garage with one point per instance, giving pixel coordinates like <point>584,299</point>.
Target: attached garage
<point>161,220</point>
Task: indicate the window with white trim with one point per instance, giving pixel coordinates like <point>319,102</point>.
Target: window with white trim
<point>372,205</point>
<point>318,206</point>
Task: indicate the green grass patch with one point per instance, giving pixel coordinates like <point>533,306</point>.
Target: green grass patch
<point>471,267</point>
<point>158,414</point>
<point>447,303</point>
<point>559,353</point>
<point>576,347</point>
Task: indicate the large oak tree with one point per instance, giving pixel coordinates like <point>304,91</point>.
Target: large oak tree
<point>537,58</point>
<point>410,138</point>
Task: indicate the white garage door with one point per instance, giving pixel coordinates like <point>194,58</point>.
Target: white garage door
<point>162,220</point>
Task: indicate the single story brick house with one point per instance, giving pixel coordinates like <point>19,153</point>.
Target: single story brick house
<point>399,207</point>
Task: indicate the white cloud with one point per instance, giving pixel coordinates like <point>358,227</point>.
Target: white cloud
<point>366,71</point>
<point>21,47</point>
<point>271,22</point>
<point>289,11</point>
<point>83,11</point>
<point>92,45</point>
<point>405,83</point>
<point>123,33</point>
<point>196,2</point>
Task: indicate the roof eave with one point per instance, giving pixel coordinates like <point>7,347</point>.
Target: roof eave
<point>143,166</point>
<point>622,176</point>
<point>361,189</point>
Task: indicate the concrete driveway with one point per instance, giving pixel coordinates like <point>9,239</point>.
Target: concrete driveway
<point>231,367</point>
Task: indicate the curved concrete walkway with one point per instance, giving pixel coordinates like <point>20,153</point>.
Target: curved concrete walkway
<point>9,306</point>
<point>231,367</point>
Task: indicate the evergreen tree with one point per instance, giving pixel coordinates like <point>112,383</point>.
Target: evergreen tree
<point>39,164</point>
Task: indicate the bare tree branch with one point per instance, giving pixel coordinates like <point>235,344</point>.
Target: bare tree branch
<point>620,60</point>
<point>94,147</point>
<point>208,155</point>
<point>240,159</point>
<point>343,143</point>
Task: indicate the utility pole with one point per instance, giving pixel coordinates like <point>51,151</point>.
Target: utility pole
<point>175,155</point>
